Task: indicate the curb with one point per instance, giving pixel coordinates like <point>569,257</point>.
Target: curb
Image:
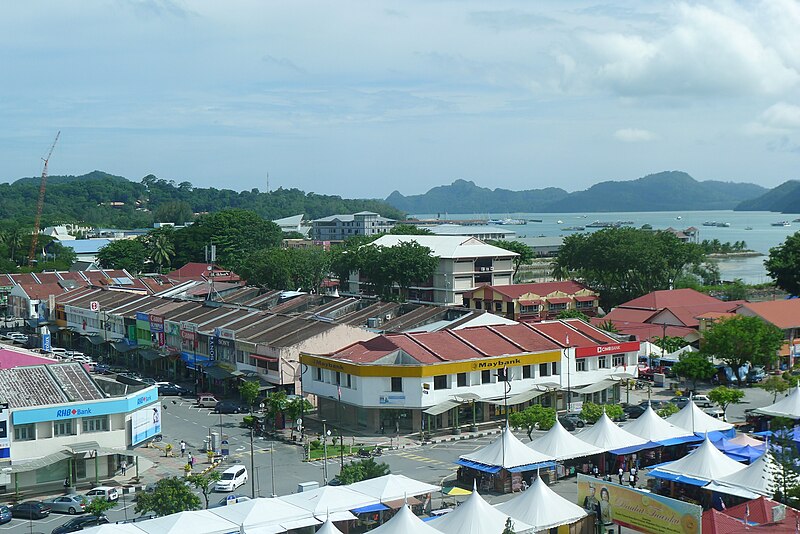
<point>467,436</point>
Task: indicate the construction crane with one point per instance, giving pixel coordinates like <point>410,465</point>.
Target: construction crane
<point>40,204</point>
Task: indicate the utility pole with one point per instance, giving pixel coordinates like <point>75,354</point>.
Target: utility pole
<point>252,466</point>
<point>272,465</point>
<point>324,453</point>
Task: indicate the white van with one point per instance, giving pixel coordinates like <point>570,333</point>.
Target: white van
<point>232,478</point>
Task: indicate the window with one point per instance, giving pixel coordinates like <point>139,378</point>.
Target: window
<point>348,381</point>
<point>63,428</point>
<point>397,384</point>
<point>544,369</point>
<point>526,371</point>
<point>478,304</point>
<point>272,365</point>
<point>498,306</point>
<point>486,377</point>
<point>318,374</point>
<point>554,366</point>
<point>580,365</point>
<point>618,360</point>
<point>338,378</point>
<point>529,309</point>
<point>24,432</point>
<point>602,362</point>
<point>440,382</point>
<point>556,307</point>
<point>95,424</point>
<point>461,379</point>
<point>589,304</point>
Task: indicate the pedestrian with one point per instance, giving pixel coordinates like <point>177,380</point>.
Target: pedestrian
<point>183,448</point>
<point>189,461</point>
<point>632,480</point>
<point>621,474</point>
<point>635,473</point>
<point>596,471</point>
<point>123,467</point>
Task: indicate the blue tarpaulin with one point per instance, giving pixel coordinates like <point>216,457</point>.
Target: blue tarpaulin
<point>678,478</point>
<point>635,448</point>
<point>531,467</point>
<point>370,508</point>
<point>496,468</point>
<point>680,441</point>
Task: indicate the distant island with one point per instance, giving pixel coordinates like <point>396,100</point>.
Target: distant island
<point>784,199</point>
<point>664,191</point>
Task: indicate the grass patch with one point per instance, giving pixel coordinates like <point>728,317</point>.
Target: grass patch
<point>334,451</point>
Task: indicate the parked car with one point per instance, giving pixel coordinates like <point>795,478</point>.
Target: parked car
<point>68,504</point>
<point>634,411</point>
<point>5,514</point>
<point>106,492</point>
<point>207,400</point>
<point>173,390</point>
<point>574,418</point>
<point>79,523</point>
<point>680,401</point>
<point>702,401</point>
<point>232,478</point>
<point>233,498</point>
<point>756,374</point>
<point>567,423</point>
<point>228,407</point>
<point>30,510</point>
<point>102,369</point>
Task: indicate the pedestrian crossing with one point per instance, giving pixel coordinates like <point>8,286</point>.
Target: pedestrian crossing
<point>419,458</point>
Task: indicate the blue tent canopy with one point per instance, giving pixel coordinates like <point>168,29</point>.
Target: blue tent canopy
<point>635,448</point>
<point>680,441</point>
<point>496,468</point>
<point>378,507</point>
<point>656,473</point>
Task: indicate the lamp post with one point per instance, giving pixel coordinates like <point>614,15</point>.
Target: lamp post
<point>252,466</point>
<point>324,453</point>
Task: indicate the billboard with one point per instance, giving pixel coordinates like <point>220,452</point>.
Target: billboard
<point>5,439</point>
<point>637,509</point>
<point>145,423</point>
<point>612,348</point>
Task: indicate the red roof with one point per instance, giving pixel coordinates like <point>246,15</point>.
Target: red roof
<point>629,315</point>
<point>560,300</point>
<point>200,272</point>
<point>646,331</point>
<point>784,314</point>
<point>590,331</point>
<point>562,334</point>
<point>668,298</point>
<point>41,291</point>
<point>715,522</point>
<point>12,358</point>
<point>760,511</point>
<point>587,298</point>
<point>514,291</point>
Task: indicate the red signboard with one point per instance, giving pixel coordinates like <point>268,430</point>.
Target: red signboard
<point>611,348</point>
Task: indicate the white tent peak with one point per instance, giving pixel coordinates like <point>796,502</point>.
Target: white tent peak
<point>789,406</point>
<point>475,516</point>
<point>607,435</point>
<point>328,528</point>
<point>758,477</point>
<point>562,445</point>
<point>507,452</point>
<point>706,462</point>
<point>404,522</point>
<point>651,427</point>
<point>542,508</point>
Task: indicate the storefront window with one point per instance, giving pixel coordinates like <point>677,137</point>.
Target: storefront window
<point>580,365</point>
<point>24,432</point>
<point>95,424</point>
<point>63,428</point>
<point>440,382</point>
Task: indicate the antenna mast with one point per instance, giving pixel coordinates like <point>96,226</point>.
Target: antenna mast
<point>40,204</point>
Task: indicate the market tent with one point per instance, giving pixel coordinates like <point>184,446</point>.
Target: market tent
<point>475,516</point>
<point>699,467</point>
<point>607,435</point>
<point>508,452</point>
<point>115,528</point>
<point>405,522</point>
<point>653,428</point>
<point>392,487</point>
<point>263,512</point>
<point>789,406</point>
<point>695,420</point>
<point>758,477</point>
<point>328,528</point>
<point>744,439</point>
<point>329,499</point>
<point>201,521</point>
<point>542,508</point>
<point>562,445</point>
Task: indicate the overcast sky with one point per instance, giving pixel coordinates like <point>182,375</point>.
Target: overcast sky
<point>362,98</point>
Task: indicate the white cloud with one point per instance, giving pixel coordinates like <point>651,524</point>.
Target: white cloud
<point>782,115</point>
<point>634,135</point>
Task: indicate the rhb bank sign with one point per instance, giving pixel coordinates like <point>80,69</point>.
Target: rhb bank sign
<point>66,413</point>
<point>93,409</point>
<point>612,348</point>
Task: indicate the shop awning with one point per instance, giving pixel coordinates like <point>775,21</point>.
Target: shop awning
<point>594,388</point>
<point>150,354</point>
<point>217,373</point>
<point>121,346</point>
<point>589,298</point>
<point>530,302</point>
<point>479,467</point>
<point>56,328</point>
<point>683,479</point>
<point>96,340</point>
<point>40,463</point>
<point>559,300</point>
<point>442,407</point>
<point>531,467</point>
<point>377,507</point>
<point>399,503</point>
<point>634,448</point>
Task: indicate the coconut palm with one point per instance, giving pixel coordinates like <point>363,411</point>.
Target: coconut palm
<point>12,238</point>
<point>161,249</point>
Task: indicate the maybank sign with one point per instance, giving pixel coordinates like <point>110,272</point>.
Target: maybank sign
<point>73,410</point>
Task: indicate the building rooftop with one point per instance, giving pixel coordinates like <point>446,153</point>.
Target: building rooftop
<point>784,314</point>
<point>41,385</point>
<point>447,246</point>
<point>514,291</point>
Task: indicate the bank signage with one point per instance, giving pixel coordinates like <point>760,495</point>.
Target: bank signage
<point>88,409</point>
<point>611,348</point>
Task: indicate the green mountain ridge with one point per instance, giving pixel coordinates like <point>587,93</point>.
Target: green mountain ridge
<point>663,191</point>
<point>784,199</point>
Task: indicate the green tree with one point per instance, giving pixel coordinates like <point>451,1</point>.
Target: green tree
<point>669,343</point>
<point>294,410</point>
<point>667,410</point>
<point>783,264</point>
<point>739,340</point>
<point>275,405</point>
<point>573,314</point>
<point>129,254</point>
<point>591,412</point>
<point>786,477</point>
<point>383,268</point>
<point>99,506</point>
<point>13,238</point>
<point>204,483</point>
<point>409,229</point>
<point>775,385</point>
<point>249,390</point>
<point>608,326</point>
<point>525,252</point>
<point>362,470</point>
<point>624,263</point>
<point>178,212</point>
<point>694,366</point>
<point>725,396</point>
<point>160,245</point>
<point>170,496</point>
<point>533,417</point>
<point>300,269</point>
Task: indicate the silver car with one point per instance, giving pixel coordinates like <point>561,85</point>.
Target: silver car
<point>68,504</point>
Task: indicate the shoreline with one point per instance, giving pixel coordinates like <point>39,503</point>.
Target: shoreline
<point>743,254</point>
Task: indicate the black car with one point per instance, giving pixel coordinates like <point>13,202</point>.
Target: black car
<point>80,523</point>
<point>567,423</point>
<point>680,401</point>
<point>634,411</point>
<point>575,419</point>
<point>173,390</point>
<point>30,510</point>
<point>228,407</point>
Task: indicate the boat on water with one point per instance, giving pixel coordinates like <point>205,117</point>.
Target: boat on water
<point>574,228</point>
<point>723,225</point>
<point>782,223</point>
<point>678,218</point>
<point>600,224</point>
<point>502,222</point>
<point>710,223</point>
<point>748,227</point>
<point>796,220</point>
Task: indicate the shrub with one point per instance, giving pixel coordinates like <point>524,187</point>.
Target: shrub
<point>315,444</point>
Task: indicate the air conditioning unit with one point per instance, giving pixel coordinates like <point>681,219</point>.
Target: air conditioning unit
<point>388,316</point>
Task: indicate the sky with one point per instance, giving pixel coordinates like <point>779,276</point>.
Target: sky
<point>361,98</point>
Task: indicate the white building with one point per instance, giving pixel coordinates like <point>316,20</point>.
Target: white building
<point>476,231</point>
<point>341,227</point>
<point>408,382</point>
<point>464,263</point>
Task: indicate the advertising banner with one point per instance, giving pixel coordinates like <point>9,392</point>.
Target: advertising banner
<point>145,423</point>
<point>46,343</point>
<point>611,348</point>
<point>5,441</point>
<point>212,348</point>
<point>224,333</point>
<point>156,323</point>
<point>636,509</point>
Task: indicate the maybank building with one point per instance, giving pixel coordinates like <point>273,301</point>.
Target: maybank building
<point>61,425</point>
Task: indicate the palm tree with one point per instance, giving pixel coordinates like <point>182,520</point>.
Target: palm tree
<point>161,249</point>
<point>12,238</point>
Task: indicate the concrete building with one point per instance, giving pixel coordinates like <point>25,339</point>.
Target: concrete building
<point>412,382</point>
<point>534,302</point>
<point>62,425</point>
<point>340,227</point>
<point>464,263</point>
<point>478,232</point>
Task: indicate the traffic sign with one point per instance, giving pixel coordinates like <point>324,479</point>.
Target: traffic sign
<point>94,306</point>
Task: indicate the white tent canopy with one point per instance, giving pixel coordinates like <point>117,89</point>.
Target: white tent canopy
<point>263,512</point>
<point>507,452</point>
<point>706,462</point>
<point>476,516</point>
<point>758,477</point>
<point>542,508</point>
<point>193,522</point>
<point>562,445</point>
<point>405,522</point>
<point>651,427</point>
<point>329,499</point>
<point>607,435</point>
<point>328,528</point>
<point>695,420</point>
<point>392,487</point>
<point>114,528</point>
<point>789,406</point>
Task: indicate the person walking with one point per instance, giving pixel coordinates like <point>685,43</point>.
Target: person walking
<point>123,466</point>
<point>635,474</point>
<point>596,471</point>
<point>621,475</point>
<point>189,460</point>
<point>632,480</point>
<point>183,448</point>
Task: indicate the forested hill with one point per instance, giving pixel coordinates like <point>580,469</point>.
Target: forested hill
<point>785,198</point>
<point>664,191</point>
<point>88,199</point>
